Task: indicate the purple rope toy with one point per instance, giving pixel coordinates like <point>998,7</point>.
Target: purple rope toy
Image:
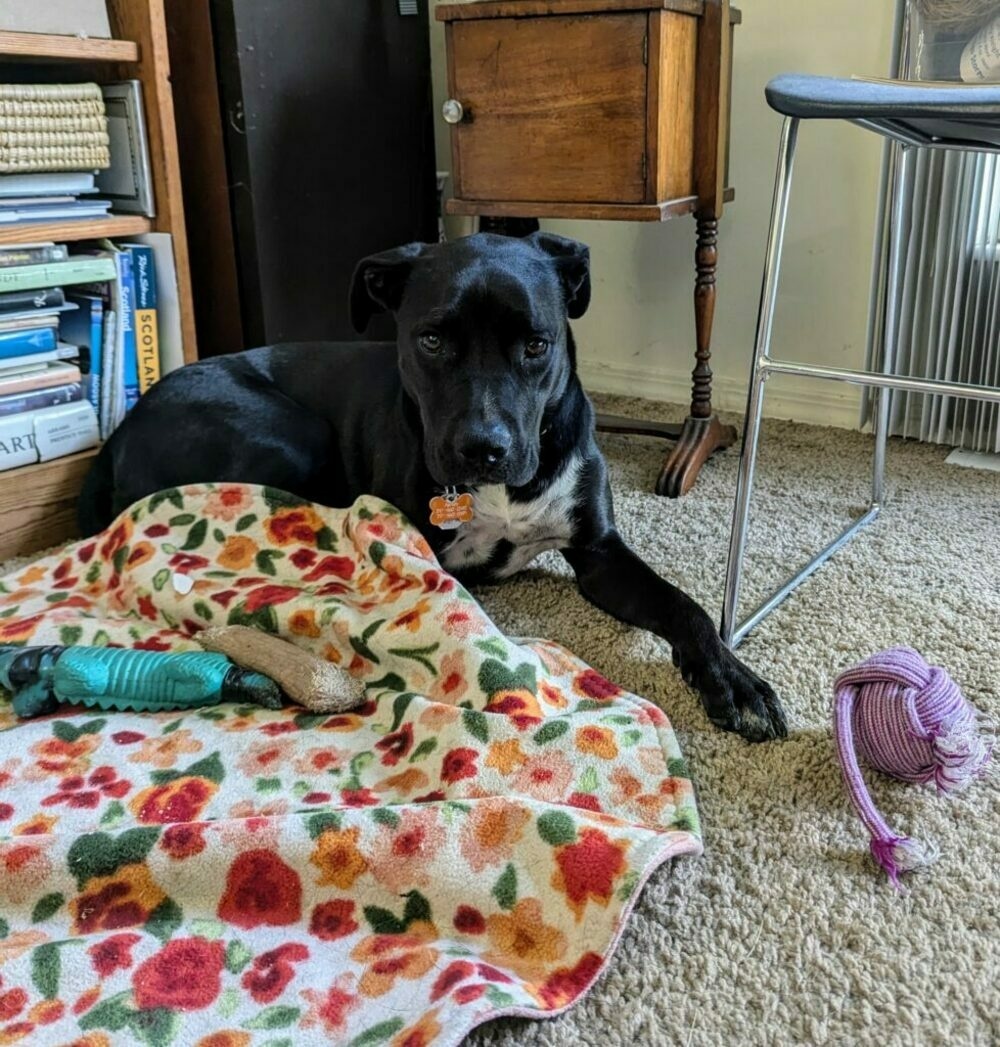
<point>909,720</point>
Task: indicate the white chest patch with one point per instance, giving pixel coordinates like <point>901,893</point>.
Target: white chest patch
<point>530,527</point>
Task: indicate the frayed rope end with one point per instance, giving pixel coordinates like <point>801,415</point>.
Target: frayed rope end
<point>900,854</point>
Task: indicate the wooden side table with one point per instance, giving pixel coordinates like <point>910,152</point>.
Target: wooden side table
<point>601,109</point>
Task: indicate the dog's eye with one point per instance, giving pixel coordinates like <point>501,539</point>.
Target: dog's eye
<point>430,343</point>
<point>537,347</point>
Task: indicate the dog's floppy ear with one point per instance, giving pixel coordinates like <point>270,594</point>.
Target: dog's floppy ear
<point>378,282</point>
<point>573,265</point>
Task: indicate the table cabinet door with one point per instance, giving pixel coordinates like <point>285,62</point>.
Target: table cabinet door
<point>555,108</point>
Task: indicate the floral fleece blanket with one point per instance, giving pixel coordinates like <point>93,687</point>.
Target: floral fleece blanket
<point>467,844</point>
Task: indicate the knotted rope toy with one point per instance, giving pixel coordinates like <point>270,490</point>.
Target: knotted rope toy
<point>909,720</point>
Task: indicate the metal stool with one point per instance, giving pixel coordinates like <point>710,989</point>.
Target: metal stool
<point>953,117</point>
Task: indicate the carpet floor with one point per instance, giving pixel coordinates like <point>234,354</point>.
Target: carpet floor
<point>784,932</point>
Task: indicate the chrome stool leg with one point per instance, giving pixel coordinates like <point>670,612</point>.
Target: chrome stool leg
<point>755,399</point>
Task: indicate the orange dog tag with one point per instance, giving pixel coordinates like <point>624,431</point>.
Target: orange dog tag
<point>451,510</point>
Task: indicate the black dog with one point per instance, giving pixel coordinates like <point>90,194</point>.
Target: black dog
<point>480,392</point>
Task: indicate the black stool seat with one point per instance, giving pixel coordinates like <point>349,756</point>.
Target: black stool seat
<point>963,114</point>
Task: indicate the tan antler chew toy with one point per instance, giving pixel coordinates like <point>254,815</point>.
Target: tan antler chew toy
<point>306,678</point>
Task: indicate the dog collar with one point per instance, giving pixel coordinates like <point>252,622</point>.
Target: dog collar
<point>450,510</point>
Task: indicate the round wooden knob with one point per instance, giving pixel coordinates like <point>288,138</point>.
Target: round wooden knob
<point>453,111</point>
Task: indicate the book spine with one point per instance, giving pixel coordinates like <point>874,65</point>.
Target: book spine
<point>23,301</point>
<point>77,270</point>
<point>95,354</point>
<point>23,343</point>
<point>127,319</point>
<point>60,394</point>
<point>109,359</point>
<point>63,430</point>
<point>17,442</point>
<point>37,255</point>
<point>146,321</point>
<point>40,376</point>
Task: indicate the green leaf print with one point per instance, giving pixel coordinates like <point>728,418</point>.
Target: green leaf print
<point>361,645</point>
<point>494,676</point>
<point>556,828</point>
<point>229,1000</point>
<point>477,724</point>
<point>237,956</point>
<point>161,578</point>
<point>100,854</point>
<point>173,496</point>
<point>46,906</point>
<point>181,520</point>
<point>389,682</point>
<point>588,781</point>
<point>45,966</point>
<point>377,1033</point>
<point>678,768</point>
<point>4,928</point>
<point>505,889</point>
<point>418,654</point>
<point>219,535</point>
<point>196,536</point>
<point>70,635</point>
<point>113,815</point>
<point>318,823</point>
<point>326,540</point>
<point>165,919</point>
<point>246,521</point>
<point>417,908</point>
<point>382,921</point>
<point>399,706</point>
<point>268,785</point>
<point>277,499</point>
<point>112,1013</point>
<point>495,646</point>
<point>629,880</point>
<point>202,610</point>
<point>265,560</point>
<point>550,732</point>
<point>93,572</point>
<point>384,816</point>
<point>210,929</point>
<point>425,748</point>
<point>377,552</point>
<point>157,1026</point>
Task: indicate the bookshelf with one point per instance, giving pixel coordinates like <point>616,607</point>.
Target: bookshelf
<point>38,502</point>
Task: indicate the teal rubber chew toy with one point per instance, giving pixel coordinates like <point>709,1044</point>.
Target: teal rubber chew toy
<point>43,678</point>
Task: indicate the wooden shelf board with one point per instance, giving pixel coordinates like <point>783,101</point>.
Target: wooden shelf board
<point>69,48</point>
<point>658,212</point>
<point>38,504</point>
<point>75,229</point>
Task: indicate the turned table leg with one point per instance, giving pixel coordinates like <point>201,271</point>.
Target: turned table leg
<point>702,434</point>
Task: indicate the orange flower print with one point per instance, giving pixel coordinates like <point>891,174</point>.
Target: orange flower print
<point>490,832</point>
<point>389,957</point>
<point>597,741</point>
<point>451,683</point>
<point>566,984</point>
<point>506,756</point>
<point>264,759</point>
<point>422,1034</point>
<point>228,502</point>
<point>19,630</point>
<point>438,716</point>
<point>180,800</point>
<point>626,786</point>
<point>303,623</point>
<point>33,574</point>
<point>238,553</point>
<point>338,858</point>
<point>18,943</point>
<point>140,553</point>
<point>58,759</point>
<point>588,869</point>
<point>591,684</point>
<point>38,825</point>
<point>545,777</point>
<point>522,941</point>
<point>412,619</point>
<point>294,525</point>
<point>404,783</point>
<point>552,695</point>
<point>109,903</point>
<point>399,857</point>
<point>330,1008</point>
<point>225,1038</point>
<point>520,705</point>
<point>164,751</point>
<point>23,866</point>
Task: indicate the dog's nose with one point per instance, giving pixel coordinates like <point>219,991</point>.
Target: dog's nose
<point>488,447</point>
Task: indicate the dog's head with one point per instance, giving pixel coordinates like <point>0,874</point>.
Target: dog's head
<point>484,343</point>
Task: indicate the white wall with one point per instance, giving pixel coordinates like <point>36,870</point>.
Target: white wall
<point>639,332</point>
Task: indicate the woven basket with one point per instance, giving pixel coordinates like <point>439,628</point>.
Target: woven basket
<point>958,15</point>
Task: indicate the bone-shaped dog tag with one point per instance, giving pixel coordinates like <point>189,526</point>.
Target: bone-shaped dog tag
<point>450,510</point>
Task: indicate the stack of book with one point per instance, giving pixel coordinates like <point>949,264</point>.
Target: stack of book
<point>53,138</point>
<point>79,342</point>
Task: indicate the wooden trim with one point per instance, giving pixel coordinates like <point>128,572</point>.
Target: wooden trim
<point>456,152</point>
<point>674,115</point>
<point>38,504</point>
<point>711,117</point>
<point>73,48</point>
<point>145,22</point>
<point>532,8</point>
<point>80,229</point>
<point>654,40</point>
<point>657,212</point>
<point>528,8</point>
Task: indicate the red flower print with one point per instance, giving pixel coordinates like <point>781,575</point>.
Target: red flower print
<point>127,737</point>
<point>294,524</point>
<point>272,971</point>
<point>87,999</point>
<point>591,684</point>
<point>187,562</point>
<point>113,954</point>
<point>147,608</point>
<point>12,1003</point>
<point>332,589</point>
<point>491,974</point>
<point>330,1008</point>
<point>469,920</point>
<point>458,764</point>
<point>183,840</point>
<point>183,976</point>
<point>102,781</point>
<point>16,630</point>
<point>154,643</point>
<point>359,798</point>
<point>316,798</point>
<point>86,552</point>
<point>116,539</point>
<point>565,984</point>
<point>455,972</point>
<point>339,566</point>
<point>268,595</point>
<point>433,797</point>
<point>586,800</point>
<point>396,745</point>
<point>435,582</point>
<point>6,811</point>
<point>468,993</point>
<point>588,869</point>
<point>180,800</point>
<point>277,727</point>
<point>224,598</point>
<point>156,530</point>
<point>261,890</point>
<point>333,920</point>
<point>303,558</point>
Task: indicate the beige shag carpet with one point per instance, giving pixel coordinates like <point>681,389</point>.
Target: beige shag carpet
<point>784,932</point>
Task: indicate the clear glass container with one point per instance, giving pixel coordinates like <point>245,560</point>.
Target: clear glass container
<point>951,40</point>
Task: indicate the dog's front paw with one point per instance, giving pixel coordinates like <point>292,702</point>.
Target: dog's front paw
<point>735,698</point>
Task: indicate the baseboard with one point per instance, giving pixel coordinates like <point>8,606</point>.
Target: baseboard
<point>812,402</point>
